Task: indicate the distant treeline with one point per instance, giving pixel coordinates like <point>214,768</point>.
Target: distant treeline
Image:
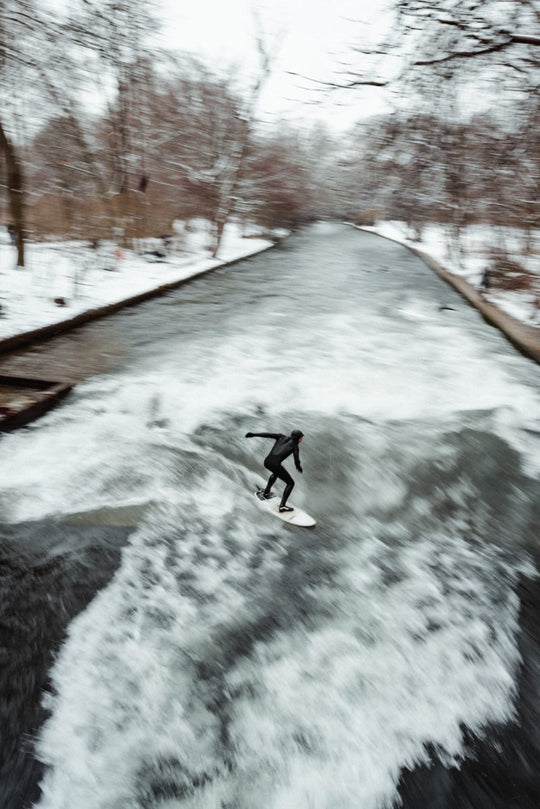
<point>173,139</point>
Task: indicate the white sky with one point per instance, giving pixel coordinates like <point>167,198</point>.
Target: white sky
<point>315,36</point>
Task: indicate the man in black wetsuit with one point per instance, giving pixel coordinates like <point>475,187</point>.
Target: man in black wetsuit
<point>284,446</point>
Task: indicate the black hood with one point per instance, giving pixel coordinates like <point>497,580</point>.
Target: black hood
<point>296,435</point>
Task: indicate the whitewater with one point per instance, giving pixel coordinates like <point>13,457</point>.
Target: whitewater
<point>229,660</point>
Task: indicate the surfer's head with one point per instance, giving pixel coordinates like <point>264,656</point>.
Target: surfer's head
<point>297,435</point>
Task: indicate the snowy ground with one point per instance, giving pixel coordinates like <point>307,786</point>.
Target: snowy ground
<point>86,278</point>
<point>89,278</point>
<point>478,240</point>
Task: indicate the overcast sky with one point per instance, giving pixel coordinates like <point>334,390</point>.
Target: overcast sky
<point>315,37</point>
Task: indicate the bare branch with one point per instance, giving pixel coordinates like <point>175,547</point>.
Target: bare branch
<point>496,47</point>
<point>344,85</point>
<point>526,40</point>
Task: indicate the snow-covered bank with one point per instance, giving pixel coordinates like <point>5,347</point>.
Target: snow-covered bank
<point>88,278</point>
<point>478,241</point>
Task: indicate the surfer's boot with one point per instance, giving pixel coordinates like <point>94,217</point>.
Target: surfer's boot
<point>268,495</point>
<point>285,508</point>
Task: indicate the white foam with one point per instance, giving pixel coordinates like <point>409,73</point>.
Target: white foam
<point>317,714</point>
<point>399,644</point>
<point>109,425</point>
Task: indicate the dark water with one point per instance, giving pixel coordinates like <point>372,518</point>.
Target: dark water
<point>166,644</point>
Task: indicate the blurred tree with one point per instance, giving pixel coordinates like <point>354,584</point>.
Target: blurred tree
<point>113,36</point>
<point>185,123</point>
<point>407,174</point>
<point>15,188</point>
<point>293,176</point>
<point>19,21</point>
<point>61,179</point>
<point>449,38</point>
<point>528,157</point>
<point>186,120</point>
<point>320,152</point>
<point>448,52</point>
<point>423,168</point>
<point>274,188</point>
<point>452,32</point>
<point>37,81</point>
<point>238,147</point>
<point>199,135</point>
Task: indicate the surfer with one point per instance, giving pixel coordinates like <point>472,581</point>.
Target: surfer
<point>284,446</point>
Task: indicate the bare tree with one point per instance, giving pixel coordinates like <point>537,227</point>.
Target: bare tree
<point>445,37</point>
<point>237,154</point>
<point>18,25</point>
<point>35,64</point>
<point>275,186</point>
<point>15,188</point>
<point>445,49</point>
<point>451,32</point>
<point>113,35</point>
<point>191,124</point>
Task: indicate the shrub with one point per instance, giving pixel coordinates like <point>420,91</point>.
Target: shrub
<point>507,274</point>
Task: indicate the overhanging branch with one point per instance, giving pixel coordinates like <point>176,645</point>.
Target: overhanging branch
<point>342,85</point>
<point>514,39</point>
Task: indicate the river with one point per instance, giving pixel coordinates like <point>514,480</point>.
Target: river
<point>165,644</point>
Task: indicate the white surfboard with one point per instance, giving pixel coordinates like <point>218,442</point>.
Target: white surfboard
<point>295,517</point>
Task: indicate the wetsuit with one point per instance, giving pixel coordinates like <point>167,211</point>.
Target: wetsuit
<point>284,446</point>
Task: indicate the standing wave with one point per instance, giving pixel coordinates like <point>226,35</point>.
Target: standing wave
<point>231,663</point>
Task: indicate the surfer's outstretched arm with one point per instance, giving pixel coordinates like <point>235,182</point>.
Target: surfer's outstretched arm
<point>275,436</point>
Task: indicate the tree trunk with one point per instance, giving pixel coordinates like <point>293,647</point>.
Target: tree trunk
<point>15,185</point>
<point>228,190</point>
<point>227,198</point>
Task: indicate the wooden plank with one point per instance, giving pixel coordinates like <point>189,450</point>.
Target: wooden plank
<point>24,400</point>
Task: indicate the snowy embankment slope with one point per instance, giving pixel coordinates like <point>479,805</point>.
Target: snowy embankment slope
<point>478,242</point>
<point>90,279</point>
